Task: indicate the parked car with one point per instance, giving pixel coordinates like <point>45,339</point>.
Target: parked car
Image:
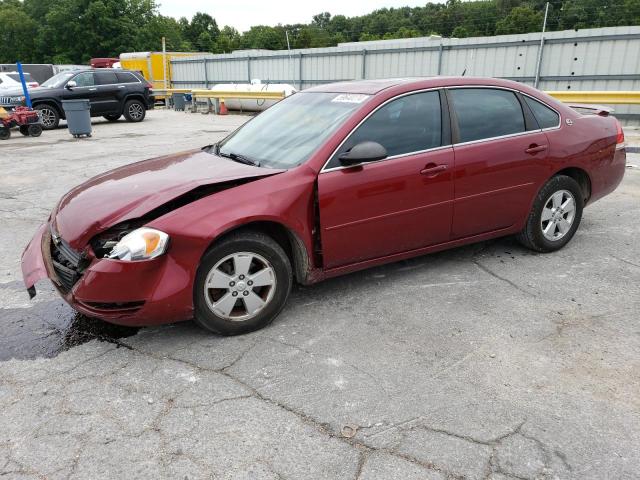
<point>112,93</point>
<point>11,81</point>
<point>328,181</point>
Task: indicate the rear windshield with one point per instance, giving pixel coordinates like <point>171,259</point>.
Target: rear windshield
<point>16,77</point>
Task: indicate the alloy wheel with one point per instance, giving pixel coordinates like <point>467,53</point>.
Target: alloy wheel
<point>47,117</point>
<point>239,286</point>
<point>558,214</point>
<point>136,111</point>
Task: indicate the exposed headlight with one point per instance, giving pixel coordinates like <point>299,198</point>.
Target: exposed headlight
<point>141,244</point>
<point>17,100</point>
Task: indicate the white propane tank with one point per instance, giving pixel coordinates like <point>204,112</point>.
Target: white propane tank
<point>253,105</point>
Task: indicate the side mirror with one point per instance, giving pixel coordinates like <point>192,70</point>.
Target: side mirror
<point>71,84</point>
<point>363,152</point>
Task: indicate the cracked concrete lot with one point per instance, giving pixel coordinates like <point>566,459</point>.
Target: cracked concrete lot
<point>483,362</point>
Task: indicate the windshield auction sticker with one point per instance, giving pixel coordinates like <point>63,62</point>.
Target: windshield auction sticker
<point>350,98</point>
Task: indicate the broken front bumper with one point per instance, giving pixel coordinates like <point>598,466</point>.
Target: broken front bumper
<point>140,293</point>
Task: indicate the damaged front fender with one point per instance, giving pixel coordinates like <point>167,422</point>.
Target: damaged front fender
<point>32,262</point>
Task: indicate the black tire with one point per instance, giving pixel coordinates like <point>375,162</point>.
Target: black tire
<point>24,130</point>
<point>533,236</point>
<point>113,117</point>
<point>254,243</point>
<point>35,130</point>
<point>49,116</point>
<point>5,133</point>
<point>134,111</point>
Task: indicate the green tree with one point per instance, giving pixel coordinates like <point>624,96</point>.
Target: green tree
<point>228,40</point>
<point>520,20</point>
<point>202,32</point>
<point>460,32</point>
<point>17,33</point>
<point>72,31</point>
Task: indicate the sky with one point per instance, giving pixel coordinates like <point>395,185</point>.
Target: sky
<point>242,14</point>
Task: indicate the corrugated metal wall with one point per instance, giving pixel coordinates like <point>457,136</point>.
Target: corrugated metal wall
<point>590,59</point>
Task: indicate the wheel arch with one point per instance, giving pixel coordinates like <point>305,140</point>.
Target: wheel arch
<point>289,240</point>
<point>581,177</point>
<point>134,96</point>
<point>52,103</point>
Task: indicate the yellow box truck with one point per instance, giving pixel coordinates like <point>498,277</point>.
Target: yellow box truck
<point>150,65</point>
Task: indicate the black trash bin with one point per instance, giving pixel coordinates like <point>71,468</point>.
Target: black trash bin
<point>178,101</point>
<point>78,113</point>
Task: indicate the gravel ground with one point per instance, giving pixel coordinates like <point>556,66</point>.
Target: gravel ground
<point>486,361</point>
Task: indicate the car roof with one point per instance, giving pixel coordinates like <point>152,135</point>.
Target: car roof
<point>89,69</point>
<point>369,87</point>
<point>372,87</point>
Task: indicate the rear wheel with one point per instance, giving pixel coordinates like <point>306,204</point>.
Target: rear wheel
<point>242,284</point>
<point>113,117</point>
<point>555,216</point>
<point>134,111</point>
<point>24,130</point>
<point>49,116</point>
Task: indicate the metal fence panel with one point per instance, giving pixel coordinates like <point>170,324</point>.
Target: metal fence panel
<point>590,59</point>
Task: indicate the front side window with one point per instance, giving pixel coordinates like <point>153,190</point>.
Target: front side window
<point>546,117</point>
<point>84,79</point>
<point>486,113</point>
<point>411,123</point>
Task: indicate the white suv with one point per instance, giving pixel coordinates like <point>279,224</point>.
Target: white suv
<point>11,80</point>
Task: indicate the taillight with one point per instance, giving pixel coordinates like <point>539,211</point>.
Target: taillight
<point>149,86</point>
<point>620,135</point>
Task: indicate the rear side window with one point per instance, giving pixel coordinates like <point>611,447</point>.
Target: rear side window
<point>486,113</point>
<point>408,124</point>
<point>546,117</point>
<point>126,77</point>
<point>106,78</point>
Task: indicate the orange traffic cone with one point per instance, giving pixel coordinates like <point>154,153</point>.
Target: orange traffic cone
<point>223,108</point>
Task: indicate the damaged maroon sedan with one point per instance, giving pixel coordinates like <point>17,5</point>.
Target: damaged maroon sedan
<point>328,181</point>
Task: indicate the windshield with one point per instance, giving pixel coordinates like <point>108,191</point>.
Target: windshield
<point>57,80</point>
<point>288,133</point>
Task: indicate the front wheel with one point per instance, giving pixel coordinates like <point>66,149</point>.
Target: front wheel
<point>555,216</point>
<point>134,111</point>
<point>5,133</point>
<point>49,116</point>
<point>242,284</point>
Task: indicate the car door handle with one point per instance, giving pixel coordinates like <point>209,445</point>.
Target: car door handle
<point>533,149</point>
<point>431,169</point>
<point>121,86</point>
<point>93,89</point>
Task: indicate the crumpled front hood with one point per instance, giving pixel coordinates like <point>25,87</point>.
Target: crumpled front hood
<point>132,191</point>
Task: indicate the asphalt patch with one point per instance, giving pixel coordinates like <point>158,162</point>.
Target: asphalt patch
<point>48,328</point>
